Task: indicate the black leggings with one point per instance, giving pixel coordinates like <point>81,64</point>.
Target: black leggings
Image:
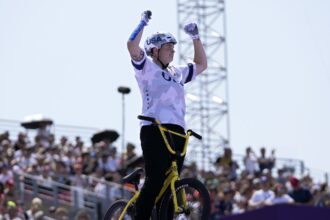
<point>157,161</point>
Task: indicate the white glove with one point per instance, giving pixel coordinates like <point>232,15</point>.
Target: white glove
<point>192,30</point>
<point>146,16</point>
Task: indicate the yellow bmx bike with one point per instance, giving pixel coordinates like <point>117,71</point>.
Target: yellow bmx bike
<point>188,197</point>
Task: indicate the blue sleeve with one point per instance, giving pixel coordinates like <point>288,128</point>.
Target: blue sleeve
<point>190,72</point>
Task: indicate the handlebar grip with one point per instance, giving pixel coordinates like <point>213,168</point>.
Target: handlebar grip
<point>194,134</point>
<point>146,118</point>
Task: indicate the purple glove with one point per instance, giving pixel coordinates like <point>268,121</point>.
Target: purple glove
<point>192,30</point>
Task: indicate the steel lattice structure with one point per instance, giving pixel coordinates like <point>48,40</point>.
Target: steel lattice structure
<point>207,97</point>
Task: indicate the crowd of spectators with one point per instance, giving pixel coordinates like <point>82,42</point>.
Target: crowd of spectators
<point>233,189</point>
<point>68,163</point>
<point>259,183</point>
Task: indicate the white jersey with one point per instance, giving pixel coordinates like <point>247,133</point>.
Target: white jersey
<point>261,196</point>
<point>280,200</point>
<point>162,91</point>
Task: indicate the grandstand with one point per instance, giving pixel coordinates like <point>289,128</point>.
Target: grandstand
<point>64,181</point>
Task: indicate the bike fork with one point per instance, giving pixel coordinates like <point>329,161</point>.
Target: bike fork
<point>183,206</point>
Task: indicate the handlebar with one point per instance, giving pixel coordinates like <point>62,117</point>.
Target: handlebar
<point>191,132</point>
<point>155,121</point>
<point>146,118</point>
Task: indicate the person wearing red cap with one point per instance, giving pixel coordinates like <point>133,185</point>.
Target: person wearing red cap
<point>298,193</point>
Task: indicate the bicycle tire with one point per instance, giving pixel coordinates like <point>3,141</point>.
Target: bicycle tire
<point>116,208</point>
<point>114,211</point>
<point>198,201</point>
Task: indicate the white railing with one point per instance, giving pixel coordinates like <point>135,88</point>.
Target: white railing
<point>72,197</point>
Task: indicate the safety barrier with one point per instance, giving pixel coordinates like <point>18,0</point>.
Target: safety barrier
<point>71,197</point>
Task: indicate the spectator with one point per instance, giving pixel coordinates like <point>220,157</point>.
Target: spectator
<point>62,175</point>
<point>21,142</point>
<point>226,166</point>
<point>2,197</point>
<point>6,174</point>
<point>64,144</point>
<point>77,179</point>
<point>82,215</point>
<point>240,204</point>
<point>130,151</point>
<point>79,146</point>
<point>61,213</point>
<point>101,186</point>
<point>259,197</point>
<point>225,204</point>
<point>103,163</point>
<point>68,159</point>
<point>109,162</point>
<point>114,160</point>
<point>5,136</point>
<point>43,133</point>
<point>51,212</point>
<point>299,194</point>
<point>12,212</point>
<point>39,215</point>
<point>250,161</point>
<point>51,141</point>
<point>281,178</point>
<point>281,196</point>
<point>36,205</point>
<point>26,159</point>
<point>88,162</point>
<point>265,162</point>
<point>7,151</point>
<point>46,177</point>
<point>53,153</point>
<point>256,183</point>
<point>128,157</point>
<point>322,197</point>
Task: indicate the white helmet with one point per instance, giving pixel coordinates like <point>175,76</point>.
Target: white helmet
<point>157,40</point>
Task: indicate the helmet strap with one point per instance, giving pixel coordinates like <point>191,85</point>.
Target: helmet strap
<point>164,66</point>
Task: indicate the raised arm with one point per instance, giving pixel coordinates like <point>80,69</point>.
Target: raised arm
<point>134,40</point>
<point>199,52</point>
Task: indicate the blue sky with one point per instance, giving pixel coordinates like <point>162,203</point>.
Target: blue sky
<point>65,59</point>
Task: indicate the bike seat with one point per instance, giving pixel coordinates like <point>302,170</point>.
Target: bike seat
<point>133,177</point>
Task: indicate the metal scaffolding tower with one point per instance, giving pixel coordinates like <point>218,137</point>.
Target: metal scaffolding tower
<point>207,97</point>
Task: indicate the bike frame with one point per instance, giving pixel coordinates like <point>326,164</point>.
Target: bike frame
<point>172,173</point>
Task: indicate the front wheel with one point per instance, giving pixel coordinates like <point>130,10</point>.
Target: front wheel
<point>116,209</point>
<point>197,197</point>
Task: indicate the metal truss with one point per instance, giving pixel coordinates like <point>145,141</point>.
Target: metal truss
<point>207,97</point>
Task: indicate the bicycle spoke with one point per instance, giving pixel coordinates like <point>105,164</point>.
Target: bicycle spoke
<point>193,205</point>
<point>115,211</point>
